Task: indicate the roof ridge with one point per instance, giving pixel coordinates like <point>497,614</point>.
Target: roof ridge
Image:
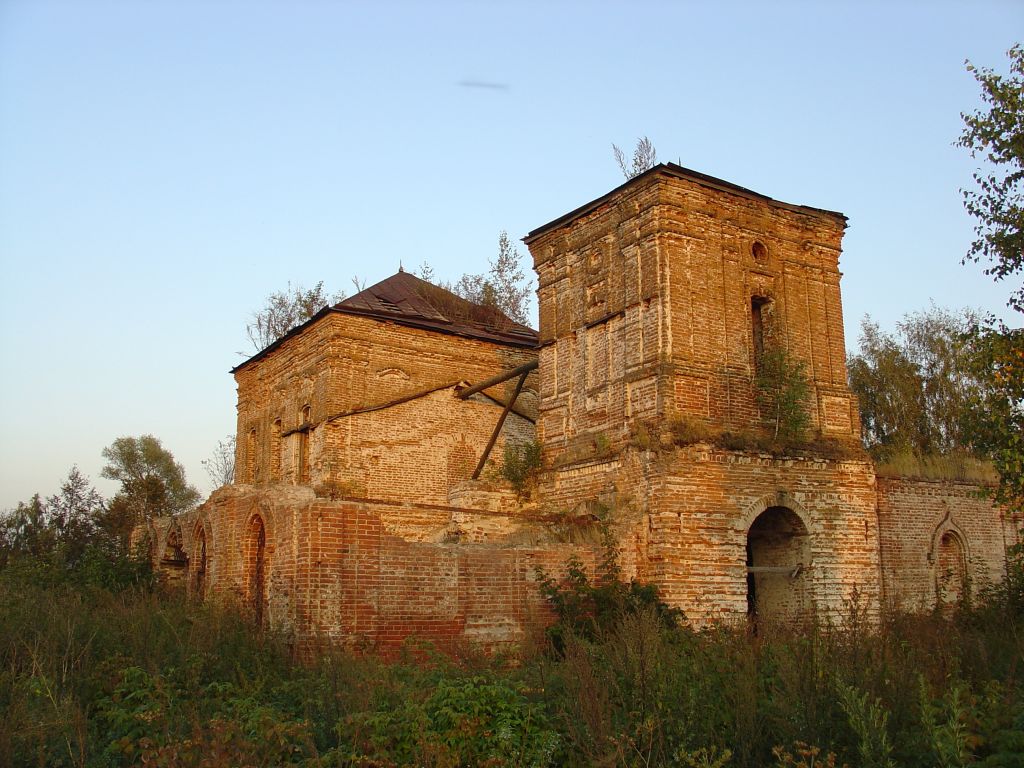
<point>413,298</point>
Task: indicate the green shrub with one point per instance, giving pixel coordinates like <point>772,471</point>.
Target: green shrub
<point>782,390</point>
<point>521,464</point>
<point>465,721</point>
<point>686,430</point>
<point>586,608</point>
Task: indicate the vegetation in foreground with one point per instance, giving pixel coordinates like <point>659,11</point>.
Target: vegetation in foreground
<point>116,674</point>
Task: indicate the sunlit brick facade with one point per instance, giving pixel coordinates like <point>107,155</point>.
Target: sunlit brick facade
<point>355,515</point>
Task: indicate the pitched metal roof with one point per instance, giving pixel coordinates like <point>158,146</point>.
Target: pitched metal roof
<point>407,300</point>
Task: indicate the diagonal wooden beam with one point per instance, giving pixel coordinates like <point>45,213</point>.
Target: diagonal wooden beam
<point>501,422</point>
<point>505,376</point>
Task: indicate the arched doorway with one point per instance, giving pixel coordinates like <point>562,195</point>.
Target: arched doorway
<point>256,566</point>
<point>778,553</point>
<point>199,560</point>
<point>950,569</point>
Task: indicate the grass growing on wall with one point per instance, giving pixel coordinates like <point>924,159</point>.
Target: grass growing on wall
<point>954,466</point>
<point>96,677</point>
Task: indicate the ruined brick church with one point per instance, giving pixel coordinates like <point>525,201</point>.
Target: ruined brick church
<point>369,504</point>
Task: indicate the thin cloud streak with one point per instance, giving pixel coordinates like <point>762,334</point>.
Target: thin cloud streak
<point>483,84</point>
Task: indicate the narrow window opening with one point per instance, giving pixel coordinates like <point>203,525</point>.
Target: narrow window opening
<point>304,428</point>
<point>759,311</point>
<point>759,251</point>
<point>257,568</point>
<point>275,450</point>
<point>200,573</point>
<point>251,468</point>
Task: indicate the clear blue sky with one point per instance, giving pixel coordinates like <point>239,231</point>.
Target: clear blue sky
<point>165,165</point>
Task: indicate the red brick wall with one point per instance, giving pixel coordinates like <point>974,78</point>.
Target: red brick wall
<point>914,515</point>
<point>682,517</point>
<point>343,363</point>
<point>703,507</point>
<point>707,243</point>
<point>646,313</point>
<point>417,450</point>
<point>334,572</point>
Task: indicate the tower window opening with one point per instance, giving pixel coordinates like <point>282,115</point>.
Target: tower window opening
<point>304,444</point>
<point>759,312</point>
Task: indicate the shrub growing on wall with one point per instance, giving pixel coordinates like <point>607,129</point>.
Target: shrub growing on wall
<point>782,391</point>
<point>522,461</point>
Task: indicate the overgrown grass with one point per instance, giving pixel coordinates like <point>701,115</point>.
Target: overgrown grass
<point>953,466</point>
<point>685,429</point>
<point>90,677</point>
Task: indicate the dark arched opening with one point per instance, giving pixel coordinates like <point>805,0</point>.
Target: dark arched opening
<point>778,553</point>
<point>199,572</point>
<point>257,568</point>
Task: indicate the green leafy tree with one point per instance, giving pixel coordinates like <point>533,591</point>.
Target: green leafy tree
<point>996,133</point>
<point>59,528</point>
<point>73,513</point>
<point>504,287</point>
<point>26,531</point>
<point>153,484</point>
<point>917,387</point>
<point>888,386</point>
<point>997,415</point>
<point>72,536</point>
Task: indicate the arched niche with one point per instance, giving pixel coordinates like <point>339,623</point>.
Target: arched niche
<point>256,567</point>
<point>950,568</point>
<point>200,562</point>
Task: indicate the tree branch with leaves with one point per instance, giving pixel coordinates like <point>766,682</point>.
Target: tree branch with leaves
<point>996,134</point>
<point>644,158</point>
<point>285,310</point>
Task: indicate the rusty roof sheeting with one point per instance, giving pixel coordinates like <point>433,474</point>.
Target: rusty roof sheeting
<point>407,300</point>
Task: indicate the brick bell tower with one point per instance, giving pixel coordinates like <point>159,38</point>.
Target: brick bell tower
<point>656,301</point>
